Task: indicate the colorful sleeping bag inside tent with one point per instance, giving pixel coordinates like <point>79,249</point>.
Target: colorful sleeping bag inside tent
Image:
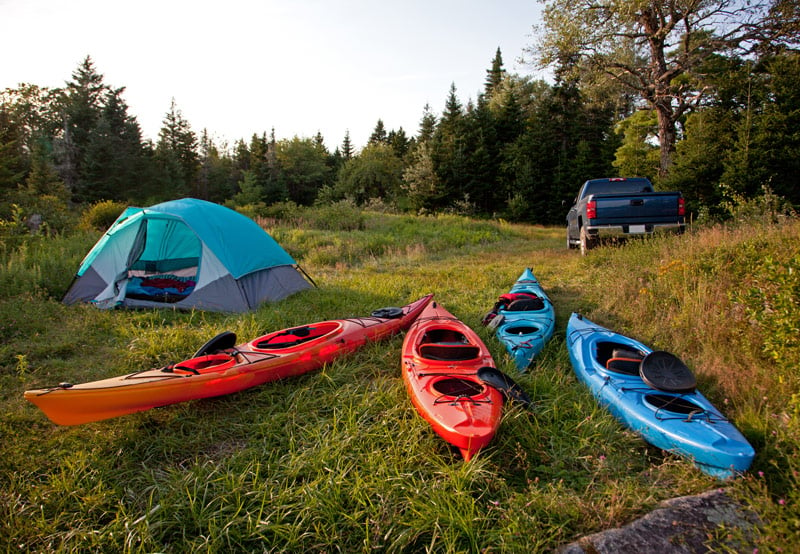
<point>185,254</point>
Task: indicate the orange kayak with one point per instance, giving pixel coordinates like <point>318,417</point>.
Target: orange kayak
<point>441,359</point>
<point>224,370</point>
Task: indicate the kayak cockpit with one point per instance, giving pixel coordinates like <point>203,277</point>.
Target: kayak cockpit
<point>447,345</point>
<point>619,357</point>
<point>295,336</point>
<point>204,364</point>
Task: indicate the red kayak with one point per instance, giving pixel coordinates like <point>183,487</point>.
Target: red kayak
<point>221,367</point>
<point>441,360</point>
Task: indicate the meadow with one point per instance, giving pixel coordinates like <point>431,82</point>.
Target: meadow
<point>338,460</point>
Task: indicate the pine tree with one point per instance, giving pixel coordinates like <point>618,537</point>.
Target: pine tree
<point>495,75</point>
<point>449,151</point>
<point>82,111</point>
<point>378,135</point>
<point>13,163</point>
<point>427,125</point>
<point>176,152</point>
<point>112,160</point>
<point>43,180</point>
<point>347,146</point>
<point>399,142</point>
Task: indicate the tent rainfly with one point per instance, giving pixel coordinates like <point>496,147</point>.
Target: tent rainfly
<point>186,254</point>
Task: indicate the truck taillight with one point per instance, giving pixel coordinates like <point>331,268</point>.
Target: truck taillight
<point>591,209</point>
<point>681,206</point>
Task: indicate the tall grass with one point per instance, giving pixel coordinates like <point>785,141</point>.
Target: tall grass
<point>338,460</point>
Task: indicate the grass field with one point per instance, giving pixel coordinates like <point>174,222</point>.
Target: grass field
<point>338,460</point>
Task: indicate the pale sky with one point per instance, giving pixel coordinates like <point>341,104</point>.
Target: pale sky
<point>238,67</point>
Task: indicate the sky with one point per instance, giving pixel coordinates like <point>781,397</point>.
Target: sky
<point>241,67</point>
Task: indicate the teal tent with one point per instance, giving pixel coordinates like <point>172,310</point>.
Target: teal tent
<point>187,254</point>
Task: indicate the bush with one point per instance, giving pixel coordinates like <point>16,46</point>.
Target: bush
<point>101,215</point>
<point>341,216</point>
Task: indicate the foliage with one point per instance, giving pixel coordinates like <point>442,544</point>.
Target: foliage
<point>339,216</point>
<point>304,168</point>
<point>638,157</point>
<point>653,50</point>
<point>519,150</point>
<point>767,207</point>
<point>375,173</point>
<point>101,215</point>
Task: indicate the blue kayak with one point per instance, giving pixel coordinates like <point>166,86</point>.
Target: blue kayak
<point>523,320</point>
<point>653,394</point>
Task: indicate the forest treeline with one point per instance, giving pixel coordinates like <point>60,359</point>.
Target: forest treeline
<point>696,102</point>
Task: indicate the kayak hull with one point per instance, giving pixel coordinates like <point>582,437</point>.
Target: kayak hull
<point>525,333</point>
<point>685,423</point>
<point>440,360</point>
<point>274,356</point>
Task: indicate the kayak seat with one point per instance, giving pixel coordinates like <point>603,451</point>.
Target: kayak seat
<point>626,366</point>
<point>607,350</point>
<point>444,336</point>
<point>448,352</point>
<point>526,305</point>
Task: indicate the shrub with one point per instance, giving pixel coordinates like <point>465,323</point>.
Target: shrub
<point>101,215</point>
<point>341,216</point>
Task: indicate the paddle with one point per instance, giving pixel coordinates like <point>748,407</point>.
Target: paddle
<point>505,384</point>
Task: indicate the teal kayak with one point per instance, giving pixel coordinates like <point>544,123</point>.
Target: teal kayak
<point>654,395</point>
<point>523,320</point>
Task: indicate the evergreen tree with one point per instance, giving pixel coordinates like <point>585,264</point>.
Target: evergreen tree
<point>176,152</point>
<point>399,142</point>
<point>250,192</point>
<point>481,145</point>
<point>449,151</point>
<point>638,155</point>
<point>43,180</point>
<point>13,161</point>
<point>82,111</point>
<point>420,183</point>
<point>766,151</point>
<point>378,135</point>
<point>112,159</point>
<point>216,178</point>
<point>699,159</point>
<point>495,75</point>
<point>427,125</point>
<point>347,146</point>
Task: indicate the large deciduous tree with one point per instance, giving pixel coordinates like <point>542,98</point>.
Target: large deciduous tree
<point>654,48</point>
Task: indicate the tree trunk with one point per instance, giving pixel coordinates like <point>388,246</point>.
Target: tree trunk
<point>666,135</point>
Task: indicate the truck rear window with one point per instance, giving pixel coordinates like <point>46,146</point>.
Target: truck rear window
<point>617,187</point>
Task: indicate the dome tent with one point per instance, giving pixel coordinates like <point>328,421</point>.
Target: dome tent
<point>185,254</point>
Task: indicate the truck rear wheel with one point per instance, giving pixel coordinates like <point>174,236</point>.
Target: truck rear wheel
<point>587,242</point>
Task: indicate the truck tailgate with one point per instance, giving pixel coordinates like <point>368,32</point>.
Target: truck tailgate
<point>650,208</point>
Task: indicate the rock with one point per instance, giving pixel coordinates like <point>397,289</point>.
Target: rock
<point>685,525</point>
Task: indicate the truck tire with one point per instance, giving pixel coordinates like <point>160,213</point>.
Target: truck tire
<point>570,245</point>
<point>587,242</point>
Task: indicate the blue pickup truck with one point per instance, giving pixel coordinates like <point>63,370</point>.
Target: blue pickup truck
<point>622,207</point>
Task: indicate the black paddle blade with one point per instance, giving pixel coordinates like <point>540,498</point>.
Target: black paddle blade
<point>223,341</point>
<point>505,384</point>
